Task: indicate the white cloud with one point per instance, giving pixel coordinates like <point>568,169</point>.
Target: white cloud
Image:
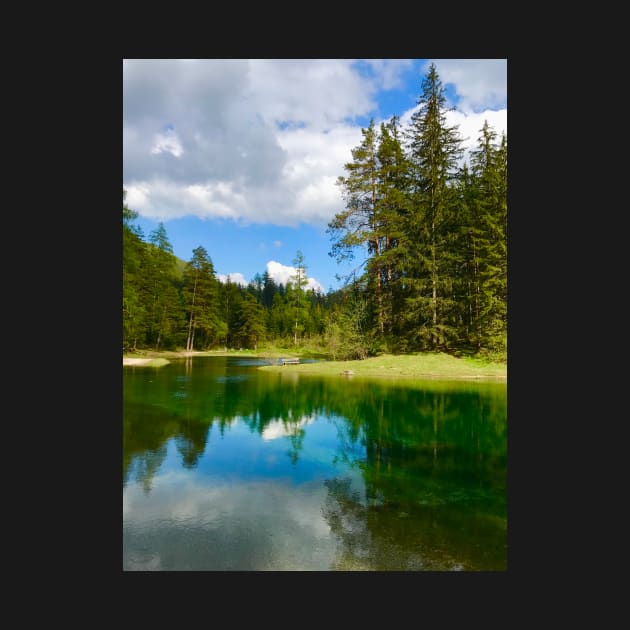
<point>282,274</point>
<point>277,243</point>
<point>388,71</point>
<point>167,142</point>
<point>261,141</point>
<point>480,83</point>
<point>469,126</point>
<point>235,278</point>
<point>318,93</point>
<point>279,428</point>
<point>251,140</point>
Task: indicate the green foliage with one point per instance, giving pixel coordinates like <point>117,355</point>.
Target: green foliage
<point>431,244</point>
<point>347,327</point>
<point>434,236</point>
<point>201,297</point>
<point>248,325</point>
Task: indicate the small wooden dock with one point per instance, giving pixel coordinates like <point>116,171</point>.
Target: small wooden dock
<point>289,361</point>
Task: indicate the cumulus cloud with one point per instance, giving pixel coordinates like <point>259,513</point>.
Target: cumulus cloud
<point>252,140</point>
<point>388,71</point>
<point>317,93</point>
<point>469,126</point>
<point>261,141</point>
<point>282,274</point>
<point>235,278</point>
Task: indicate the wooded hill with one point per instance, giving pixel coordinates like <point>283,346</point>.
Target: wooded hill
<point>428,235</point>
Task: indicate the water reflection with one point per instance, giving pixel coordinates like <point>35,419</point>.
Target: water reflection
<point>383,419</point>
<point>391,477</point>
<point>257,526</point>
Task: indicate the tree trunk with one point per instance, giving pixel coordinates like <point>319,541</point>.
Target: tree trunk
<point>159,337</point>
<point>192,310</point>
<point>434,285</point>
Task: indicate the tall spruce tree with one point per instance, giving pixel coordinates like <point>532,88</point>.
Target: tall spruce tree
<point>300,304</point>
<point>489,168</point>
<point>358,224</point>
<point>200,294</point>
<point>160,289</point>
<point>269,290</point>
<point>393,204</point>
<point>434,150</point>
<point>466,261</point>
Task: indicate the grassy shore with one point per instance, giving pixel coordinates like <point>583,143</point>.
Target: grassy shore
<point>409,366</point>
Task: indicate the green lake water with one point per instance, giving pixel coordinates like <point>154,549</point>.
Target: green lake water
<point>227,467</point>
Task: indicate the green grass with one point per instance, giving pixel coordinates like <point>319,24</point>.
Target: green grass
<point>409,366</point>
<point>159,362</point>
<point>275,351</point>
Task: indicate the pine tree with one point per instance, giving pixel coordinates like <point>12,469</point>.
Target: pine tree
<point>466,260</point>
<point>160,289</point>
<point>200,294</point>
<point>249,323</point>
<point>393,202</point>
<point>133,255</point>
<point>229,298</point>
<point>269,290</point>
<point>299,302</point>
<point>489,167</point>
<point>434,149</point>
<point>357,225</point>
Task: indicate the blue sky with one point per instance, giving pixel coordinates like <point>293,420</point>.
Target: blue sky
<point>241,156</point>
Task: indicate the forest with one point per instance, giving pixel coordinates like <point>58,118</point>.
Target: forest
<point>426,233</point>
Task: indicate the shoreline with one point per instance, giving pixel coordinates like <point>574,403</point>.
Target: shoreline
<point>399,368</point>
<point>408,367</point>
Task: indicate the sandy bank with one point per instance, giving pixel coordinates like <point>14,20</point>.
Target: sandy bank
<point>150,361</point>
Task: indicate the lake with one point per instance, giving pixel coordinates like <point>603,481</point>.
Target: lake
<point>230,468</point>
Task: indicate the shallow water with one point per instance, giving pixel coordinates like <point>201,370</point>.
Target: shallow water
<point>226,467</point>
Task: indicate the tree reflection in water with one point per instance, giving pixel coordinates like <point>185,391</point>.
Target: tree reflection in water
<point>431,455</point>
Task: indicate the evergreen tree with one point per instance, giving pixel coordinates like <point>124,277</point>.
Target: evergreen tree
<point>393,202</point>
<point>489,167</point>
<point>269,290</point>
<point>465,255</point>
<point>300,305</point>
<point>133,253</point>
<point>347,325</point>
<point>434,149</point>
<point>159,288</point>
<point>230,298</point>
<point>200,295</point>
<point>358,225</point>
<point>249,322</point>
